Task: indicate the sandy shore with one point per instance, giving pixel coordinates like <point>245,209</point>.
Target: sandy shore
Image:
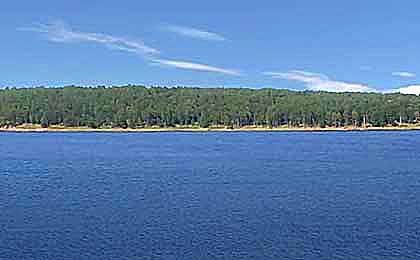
<point>35,129</point>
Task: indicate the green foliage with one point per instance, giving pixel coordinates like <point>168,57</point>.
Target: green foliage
<point>137,107</point>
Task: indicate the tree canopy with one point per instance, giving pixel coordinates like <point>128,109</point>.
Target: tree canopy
<point>139,106</point>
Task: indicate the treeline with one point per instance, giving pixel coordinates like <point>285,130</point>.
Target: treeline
<point>138,106</point>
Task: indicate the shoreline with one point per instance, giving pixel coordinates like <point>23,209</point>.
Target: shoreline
<point>200,130</point>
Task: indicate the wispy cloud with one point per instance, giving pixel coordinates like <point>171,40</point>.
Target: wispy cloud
<point>319,82</point>
<point>60,32</point>
<point>194,33</point>
<point>195,66</point>
<point>412,90</point>
<point>404,74</point>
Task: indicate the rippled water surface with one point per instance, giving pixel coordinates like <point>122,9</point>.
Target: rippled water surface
<point>210,196</point>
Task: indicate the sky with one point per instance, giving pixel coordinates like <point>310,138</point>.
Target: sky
<point>363,46</point>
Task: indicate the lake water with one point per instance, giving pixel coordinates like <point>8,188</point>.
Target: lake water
<point>210,196</point>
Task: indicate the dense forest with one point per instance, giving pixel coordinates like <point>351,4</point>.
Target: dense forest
<point>138,107</point>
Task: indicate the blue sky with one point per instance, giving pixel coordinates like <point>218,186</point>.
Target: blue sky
<point>319,45</point>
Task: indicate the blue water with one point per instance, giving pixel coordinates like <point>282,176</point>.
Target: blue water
<point>210,196</point>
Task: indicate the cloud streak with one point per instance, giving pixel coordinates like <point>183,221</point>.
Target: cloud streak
<point>195,66</point>
<point>194,33</point>
<point>60,32</point>
<point>404,74</point>
<point>409,90</point>
<point>319,82</point>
